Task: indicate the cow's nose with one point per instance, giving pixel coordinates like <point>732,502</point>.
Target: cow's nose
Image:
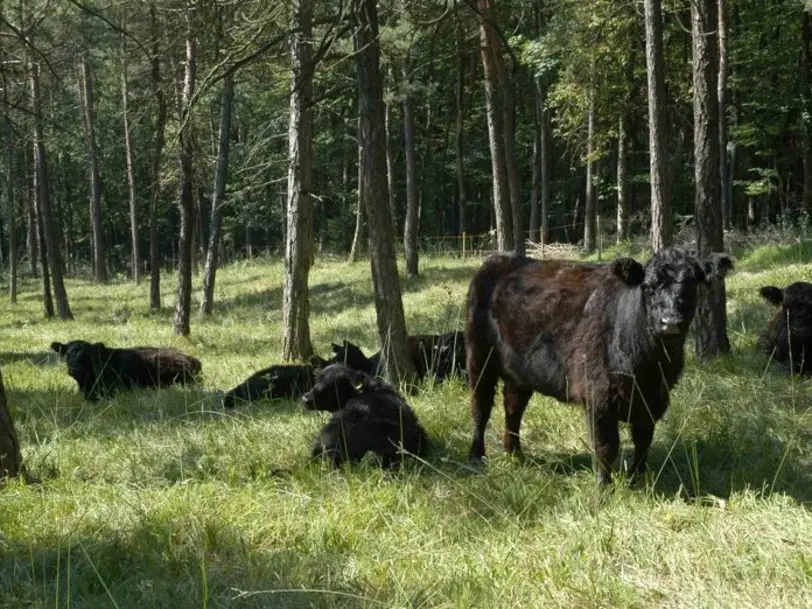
<point>307,400</point>
<point>670,324</point>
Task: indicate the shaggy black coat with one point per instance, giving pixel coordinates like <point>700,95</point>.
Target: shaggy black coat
<point>788,337</point>
<point>607,336</point>
<point>276,382</point>
<point>436,356</point>
<point>368,416</point>
<point>101,371</point>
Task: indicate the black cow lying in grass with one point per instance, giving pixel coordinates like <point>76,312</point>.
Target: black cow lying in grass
<point>283,381</point>
<point>608,336</point>
<point>368,416</point>
<point>434,355</point>
<point>788,337</point>
<point>101,371</point>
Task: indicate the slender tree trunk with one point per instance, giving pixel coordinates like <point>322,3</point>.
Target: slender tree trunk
<point>42,189</point>
<point>546,174</point>
<point>186,179</point>
<point>218,197</point>
<point>11,461</point>
<point>622,179</point>
<point>711,316</point>
<point>590,211</point>
<point>47,298</point>
<point>661,229</point>
<point>535,183</point>
<point>31,243</point>
<point>511,164</point>
<point>390,155</point>
<point>806,96</point>
<point>359,235</point>
<point>410,226</point>
<point>385,281</point>
<point>722,112</point>
<point>11,202</point>
<point>155,170</point>
<point>494,107</point>
<point>99,262</point>
<point>128,152</point>
<point>458,134</point>
<point>296,342</point>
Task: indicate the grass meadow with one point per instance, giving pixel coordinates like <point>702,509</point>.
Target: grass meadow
<point>163,499</point>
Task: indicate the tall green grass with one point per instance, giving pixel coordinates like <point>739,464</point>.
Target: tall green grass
<point>162,499</point>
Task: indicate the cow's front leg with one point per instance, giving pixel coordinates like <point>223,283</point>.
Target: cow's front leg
<point>605,439</point>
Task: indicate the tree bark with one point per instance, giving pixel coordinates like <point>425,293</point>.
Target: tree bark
<point>11,202</point>
<point>622,179</point>
<point>390,155</point>
<point>186,178</point>
<point>155,170</point>
<point>42,248</point>
<point>459,163</point>
<point>535,181</point>
<point>42,190</point>
<point>11,461</point>
<point>806,97</point>
<point>711,316</point>
<point>722,112</point>
<point>546,176</point>
<point>31,244</point>
<point>359,235</point>
<point>494,108</point>
<point>410,226</point>
<point>388,302</point>
<point>218,197</point>
<point>590,211</point>
<point>128,152</point>
<point>661,229</point>
<point>296,343</point>
<point>99,262</point>
<point>511,164</point>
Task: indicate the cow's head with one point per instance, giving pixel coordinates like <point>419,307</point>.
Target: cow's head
<point>351,355</point>
<point>668,284</point>
<point>334,386</point>
<point>790,331</point>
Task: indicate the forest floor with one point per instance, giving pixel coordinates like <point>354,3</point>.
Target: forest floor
<point>163,499</point>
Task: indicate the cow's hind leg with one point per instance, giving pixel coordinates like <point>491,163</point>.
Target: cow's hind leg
<point>605,437</point>
<point>482,382</point>
<point>515,402</point>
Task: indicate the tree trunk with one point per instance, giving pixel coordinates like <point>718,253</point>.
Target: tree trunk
<point>11,461</point>
<point>622,179</point>
<point>390,156</point>
<point>128,152</point>
<point>806,96</point>
<point>590,211</point>
<point>535,182</point>
<point>711,316</point>
<point>359,235</point>
<point>31,239</point>
<point>410,226</point>
<point>546,176</point>
<point>661,229</point>
<point>218,197</point>
<point>11,202</point>
<point>99,262</point>
<point>186,179</point>
<point>388,302</point>
<point>296,344</point>
<point>155,170</point>
<point>47,298</point>
<point>722,112</point>
<point>511,164</point>
<point>458,134</point>
<point>494,107</point>
<point>42,189</point>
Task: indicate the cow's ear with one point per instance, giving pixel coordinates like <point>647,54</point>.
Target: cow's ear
<point>629,271</point>
<point>58,347</point>
<point>716,266</point>
<point>336,348</point>
<point>99,346</point>
<point>772,294</point>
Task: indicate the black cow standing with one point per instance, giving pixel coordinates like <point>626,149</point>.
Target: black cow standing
<point>788,337</point>
<point>275,382</point>
<point>101,371</point>
<point>608,336</point>
<point>368,416</point>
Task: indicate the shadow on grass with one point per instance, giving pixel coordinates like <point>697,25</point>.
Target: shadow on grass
<point>185,561</point>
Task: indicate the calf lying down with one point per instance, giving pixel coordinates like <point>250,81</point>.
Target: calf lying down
<point>101,371</point>
<point>788,337</point>
<point>368,416</point>
<point>276,382</point>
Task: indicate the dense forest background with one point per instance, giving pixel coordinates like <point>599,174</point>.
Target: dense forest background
<point>137,130</point>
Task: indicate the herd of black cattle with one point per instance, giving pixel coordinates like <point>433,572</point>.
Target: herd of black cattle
<point>608,336</point>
